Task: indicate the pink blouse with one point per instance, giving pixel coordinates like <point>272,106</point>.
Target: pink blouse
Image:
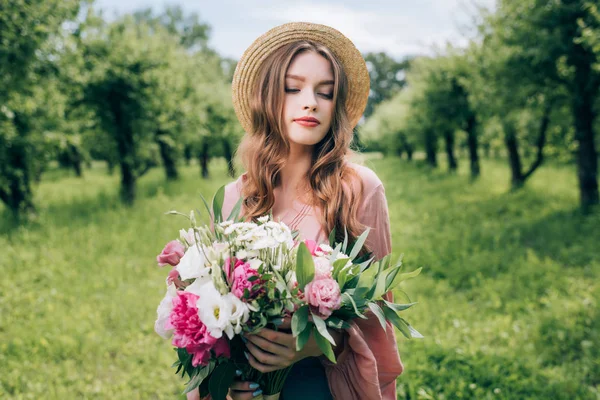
<point>369,363</point>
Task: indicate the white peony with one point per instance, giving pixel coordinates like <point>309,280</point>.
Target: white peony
<point>214,310</point>
<point>192,264</point>
<point>164,311</point>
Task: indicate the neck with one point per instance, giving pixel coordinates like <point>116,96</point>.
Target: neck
<point>293,181</point>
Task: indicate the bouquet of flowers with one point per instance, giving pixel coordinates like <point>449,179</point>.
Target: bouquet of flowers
<point>234,277</point>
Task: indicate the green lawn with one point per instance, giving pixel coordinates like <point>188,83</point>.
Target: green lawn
<point>508,297</point>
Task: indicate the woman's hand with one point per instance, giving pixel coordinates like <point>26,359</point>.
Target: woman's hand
<point>271,350</point>
<point>241,390</point>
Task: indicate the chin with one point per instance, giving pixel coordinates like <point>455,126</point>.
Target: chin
<point>302,138</point>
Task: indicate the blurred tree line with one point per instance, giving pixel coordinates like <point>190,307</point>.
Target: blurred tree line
<point>525,88</point>
<point>145,90</point>
<point>141,91</point>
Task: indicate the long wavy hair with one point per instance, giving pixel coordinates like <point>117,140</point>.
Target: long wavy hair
<point>264,151</point>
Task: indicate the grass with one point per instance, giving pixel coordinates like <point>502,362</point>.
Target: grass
<point>508,298</point>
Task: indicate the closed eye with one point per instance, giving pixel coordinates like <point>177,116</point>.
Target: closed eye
<point>325,95</point>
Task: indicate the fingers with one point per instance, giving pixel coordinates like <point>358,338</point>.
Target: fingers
<point>243,390</point>
<point>256,364</point>
<point>267,345</point>
<point>281,338</point>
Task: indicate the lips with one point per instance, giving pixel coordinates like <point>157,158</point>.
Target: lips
<point>308,119</point>
<point>308,122</point>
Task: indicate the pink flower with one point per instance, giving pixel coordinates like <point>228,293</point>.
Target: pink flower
<point>228,270</point>
<point>174,278</point>
<point>171,254</point>
<point>202,355</point>
<point>242,272</point>
<point>189,332</point>
<point>323,296</point>
<point>312,246</point>
<point>323,268</point>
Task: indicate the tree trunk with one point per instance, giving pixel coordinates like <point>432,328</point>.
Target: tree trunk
<point>128,181</point>
<point>168,158</point>
<point>19,197</point>
<point>431,147</point>
<point>473,147</point>
<point>187,154</point>
<point>76,160</point>
<point>110,165</point>
<point>541,141</point>
<point>204,157</point>
<point>409,152</point>
<point>228,157</point>
<point>583,115</point>
<point>449,139</point>
<point>126,151</point>
<point>512,146</point>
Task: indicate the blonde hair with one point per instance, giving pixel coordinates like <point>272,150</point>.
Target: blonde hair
<point>265,149</point>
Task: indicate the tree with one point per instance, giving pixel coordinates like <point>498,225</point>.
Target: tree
<point>387,78</point>
<point>549,42</point>
<point>24,70</point>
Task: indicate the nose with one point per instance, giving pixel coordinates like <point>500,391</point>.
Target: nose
<point>310,100</point>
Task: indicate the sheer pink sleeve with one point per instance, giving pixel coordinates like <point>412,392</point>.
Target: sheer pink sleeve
<point>369,363</point>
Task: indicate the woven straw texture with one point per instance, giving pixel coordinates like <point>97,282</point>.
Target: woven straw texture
<point>246,72</point>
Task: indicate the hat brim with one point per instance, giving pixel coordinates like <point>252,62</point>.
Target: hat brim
<point>246,71</point>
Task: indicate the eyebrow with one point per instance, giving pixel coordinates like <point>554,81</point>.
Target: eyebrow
<point>301,78</point>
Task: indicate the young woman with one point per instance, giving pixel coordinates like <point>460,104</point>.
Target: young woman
<point>298,91</point>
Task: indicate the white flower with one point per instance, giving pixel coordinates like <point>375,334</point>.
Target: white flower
<point>192,264</point>
<point>267,242</point>
<point>291,280</point>
<point>187,237</point>
<point>214,310</point>
<point>263,219</point>
<point>226,223</point>
<point>218,251</point>
<point>241,255</point>
<point>255,263</point>
<point>198,284</point>
<point>323,267</point>
<point>326,248</point>
<point>239,315</point>
<point>164,311</point>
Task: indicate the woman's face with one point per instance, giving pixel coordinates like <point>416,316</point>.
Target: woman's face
<point>308,93</point>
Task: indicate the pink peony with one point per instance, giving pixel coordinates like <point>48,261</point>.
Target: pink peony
<point>228,270</point>
<point>323,296</point>
<point>189,332</point>
<point>242,272</point>
<point>171,254</point>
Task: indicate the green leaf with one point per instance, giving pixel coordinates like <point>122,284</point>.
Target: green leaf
<point>379,314</point>
<point>337,323</point>
<point>402,277</point>
<point>338,265</point>
<point>324,345</point>
<point>322,328</point>
<point>202,373</point>
<point>206,206</point>
<point>235,212</point>
<point>221,379</point>
<point>345,244</point>
<point>397,321</point>
<point>399,307</point>
<point>359,244</point>
<point>305,266</point>
<point>217,204</point>
<point>299,320</point>
<point>347,299</point>
<point>303,338</point>
<point>332,238</point>
<point>413,332</point>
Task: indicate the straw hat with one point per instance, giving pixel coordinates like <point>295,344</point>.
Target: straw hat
<point>246,72</point>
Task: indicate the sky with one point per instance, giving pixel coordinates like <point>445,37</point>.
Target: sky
<point>398,27</point>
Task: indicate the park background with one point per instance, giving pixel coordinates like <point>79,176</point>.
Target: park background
<point>485,144</point>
